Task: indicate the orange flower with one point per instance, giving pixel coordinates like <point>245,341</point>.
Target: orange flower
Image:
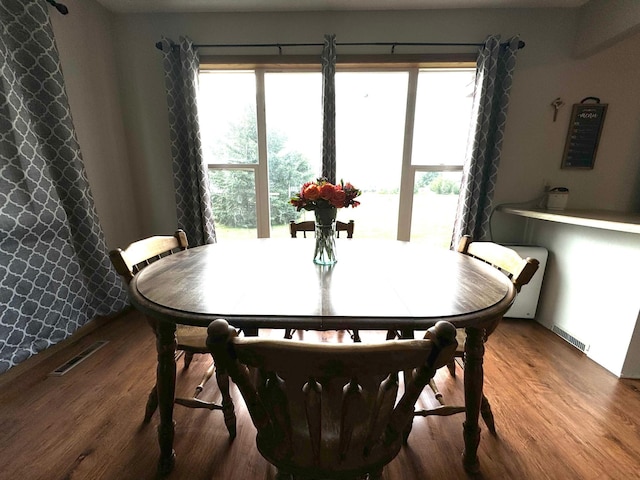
<point>312,192</point>
<point>322,194</point>
<point>338,199</point>
<point>326,191</point>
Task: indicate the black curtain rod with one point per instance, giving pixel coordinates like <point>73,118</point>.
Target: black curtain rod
<point>393,45</point>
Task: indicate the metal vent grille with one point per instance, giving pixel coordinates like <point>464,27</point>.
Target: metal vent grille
<point>65,367</point>
<point>583,347</point>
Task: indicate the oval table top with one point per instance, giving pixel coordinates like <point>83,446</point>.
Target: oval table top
<point>273,283</point>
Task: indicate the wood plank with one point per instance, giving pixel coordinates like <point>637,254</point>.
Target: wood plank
<point>558,415</point>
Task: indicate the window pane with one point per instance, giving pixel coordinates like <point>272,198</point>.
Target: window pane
<point>370,115</point>
<point>234,203</point>
<point>227,113</point>
<point>294,140</point>
<point>443,114</point>
<point>435,201</point>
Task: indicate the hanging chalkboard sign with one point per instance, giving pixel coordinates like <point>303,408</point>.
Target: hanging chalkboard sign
<point>584,133</point>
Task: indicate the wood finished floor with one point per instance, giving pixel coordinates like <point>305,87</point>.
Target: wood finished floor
<point>558,415</point>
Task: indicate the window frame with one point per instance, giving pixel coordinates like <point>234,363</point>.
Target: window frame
<point>410,63</point>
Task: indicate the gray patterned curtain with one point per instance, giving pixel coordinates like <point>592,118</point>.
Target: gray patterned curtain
<point>329,108</point>
<point>190,174</point>
<point>55,273</point>
<point>494,76</point>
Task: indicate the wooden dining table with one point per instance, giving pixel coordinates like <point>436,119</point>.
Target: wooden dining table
<point>273,283</point>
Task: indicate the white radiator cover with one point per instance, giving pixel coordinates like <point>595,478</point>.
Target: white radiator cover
<point>527,300</point>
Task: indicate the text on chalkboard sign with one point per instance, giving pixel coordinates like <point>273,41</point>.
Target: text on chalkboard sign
<point>585,128</point>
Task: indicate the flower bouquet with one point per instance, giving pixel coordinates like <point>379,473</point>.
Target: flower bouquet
<point>324,198</point>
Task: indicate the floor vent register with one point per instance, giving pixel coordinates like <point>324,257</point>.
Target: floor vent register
<point>583,347</point>
<point>83,355</point>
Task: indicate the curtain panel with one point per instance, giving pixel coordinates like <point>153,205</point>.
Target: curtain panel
<point>55,273</point>
<point>190,174</point>
<point>328,60</point>
<point>494,77</point>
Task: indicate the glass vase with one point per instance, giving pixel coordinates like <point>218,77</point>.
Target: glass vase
<point>325,252</point>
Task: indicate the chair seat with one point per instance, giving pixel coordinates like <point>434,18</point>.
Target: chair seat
<point>192,338</point>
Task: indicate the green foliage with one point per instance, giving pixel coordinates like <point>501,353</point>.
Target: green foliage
<point>233,197</point>
<point>233,191</point>
<point>437,183</point>
<point>388,191</point>
<point>287,172</point>
<point>444,186</point>
<point>426,178</point>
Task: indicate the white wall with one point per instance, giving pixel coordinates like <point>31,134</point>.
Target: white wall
<point>85,41</point>
<point>591,290</point>
<point>603,23</point>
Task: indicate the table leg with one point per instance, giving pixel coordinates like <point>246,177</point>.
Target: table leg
<point>166,385</point>
<point>473,380</point>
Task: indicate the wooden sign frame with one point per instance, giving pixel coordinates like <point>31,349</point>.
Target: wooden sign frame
<point>583,136</point>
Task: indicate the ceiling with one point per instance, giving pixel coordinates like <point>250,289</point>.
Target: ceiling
<point>148,6</point>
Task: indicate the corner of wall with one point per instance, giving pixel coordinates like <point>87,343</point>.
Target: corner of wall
<point>603,23</point>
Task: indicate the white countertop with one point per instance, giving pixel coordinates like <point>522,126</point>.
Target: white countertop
<point>607,220</point>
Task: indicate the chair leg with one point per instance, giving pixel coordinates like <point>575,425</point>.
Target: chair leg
<point>487,415</point>
<point>407,432</point>
<point>355,336</point>
<point>288,333</point>
<point>451,366</point>
<point>222,377</point>
<point>152,405</point>
<point>188,356</point>
<point>208,374</point>
<point>436,391</point>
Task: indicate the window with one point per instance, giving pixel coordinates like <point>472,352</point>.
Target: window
<point>441,129</point>
<point>401,135</point>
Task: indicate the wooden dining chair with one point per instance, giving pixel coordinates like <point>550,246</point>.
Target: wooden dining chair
<point>328,410</point>
<point>304,227</point>
<point>348,227</point>
<point>520,271</point>
<point>310,226</point>
<point>190,340</point>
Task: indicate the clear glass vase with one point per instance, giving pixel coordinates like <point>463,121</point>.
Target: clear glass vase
<point>325,252</point>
